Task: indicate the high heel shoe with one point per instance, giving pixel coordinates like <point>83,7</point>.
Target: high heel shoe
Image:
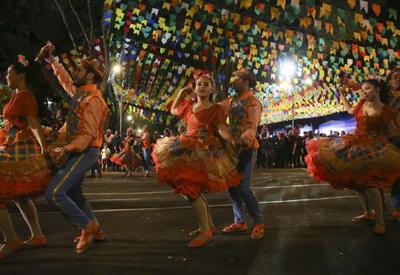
<point>365,217</point>
<point>34,242</point>
<point>379,229</point>
<point>197,231</point>
<point>396,214</point>
<point>8,248</point>
<point>201,240</point>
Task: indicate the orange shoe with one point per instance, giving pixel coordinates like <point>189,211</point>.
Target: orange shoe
<point>127,175</point>
<point>364,217</point>
<point>35,242</point>
<point>197,231</point>
<point>235,227</point>
<point>379,229</point>
<point>258,232</point>
<point>98,237</point>
<point>201,240</point>
<point>87,236</point>
<point>396,214</point>
<point>8,248</point>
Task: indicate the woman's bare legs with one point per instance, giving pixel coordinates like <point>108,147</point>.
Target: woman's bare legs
<point>30,215</point>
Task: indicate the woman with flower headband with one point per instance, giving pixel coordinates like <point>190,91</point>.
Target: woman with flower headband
<point>365,161</point>
<point>393,83</point>
<point>127,158</point>
<point>24,170</point>
<point>199,160</point>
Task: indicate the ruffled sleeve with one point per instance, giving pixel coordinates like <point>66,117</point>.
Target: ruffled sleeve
<point>22,104</point>
<point>225,105</point>
<point>390,115</point>
<point>184,108</point>
<point>358,108</point>
<point>27,105</point>
<point>219,115</point>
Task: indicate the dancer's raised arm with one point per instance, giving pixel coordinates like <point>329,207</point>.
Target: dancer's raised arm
<point>181,95</point>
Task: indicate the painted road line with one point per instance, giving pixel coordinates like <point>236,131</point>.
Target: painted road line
<point>212,206</point>
<point>171,192</point>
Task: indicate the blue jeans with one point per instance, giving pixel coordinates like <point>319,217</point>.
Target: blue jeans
<point>146,159</point>
<point>65,188</point>
<point>395,195</point>
<point>395,191</point>
<point>243,192</point>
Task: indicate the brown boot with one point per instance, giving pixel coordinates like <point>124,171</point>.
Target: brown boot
<point>87,236</point>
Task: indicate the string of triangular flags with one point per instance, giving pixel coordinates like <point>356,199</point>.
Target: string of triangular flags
<point>163,43</point>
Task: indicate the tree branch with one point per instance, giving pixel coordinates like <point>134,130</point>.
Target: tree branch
<point>91,37</point>
<point>80,23</point>
<point>106,45</point>
<point>66,24</point>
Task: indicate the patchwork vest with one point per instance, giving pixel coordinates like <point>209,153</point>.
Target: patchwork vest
<point>77,108</point>
<point>393,129</point>
<point>237,114</point>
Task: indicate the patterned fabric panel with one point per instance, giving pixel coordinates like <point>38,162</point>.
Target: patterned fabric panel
<point>359,153</point>
<point>236,115</point>
<point>178,149</point>
<point>24,150</point>
<point>395,103</point>
<point>73,115</point>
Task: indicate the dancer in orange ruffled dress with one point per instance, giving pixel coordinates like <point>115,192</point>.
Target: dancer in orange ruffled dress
<point>393,83</point>
<point>364,161</point>
<point>24,170</point>
<point>127,158</point>
<point>200,160</point>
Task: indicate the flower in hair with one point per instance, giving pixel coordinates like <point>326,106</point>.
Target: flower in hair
<point>22,60</point>
<point>206,74</point>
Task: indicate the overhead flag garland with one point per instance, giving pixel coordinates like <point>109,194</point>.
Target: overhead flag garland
<point>162,44</point>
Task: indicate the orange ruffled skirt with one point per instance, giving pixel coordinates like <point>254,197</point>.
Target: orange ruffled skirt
<point>191,166</point>
<point>354,162</point>
<point>130,159</point>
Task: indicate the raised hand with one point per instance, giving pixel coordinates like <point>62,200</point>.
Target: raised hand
<point>46,52</point>
<point>185,91</point>
<point>342,90</point>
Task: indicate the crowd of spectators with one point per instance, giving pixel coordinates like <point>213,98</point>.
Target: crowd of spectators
<point>285,148</point>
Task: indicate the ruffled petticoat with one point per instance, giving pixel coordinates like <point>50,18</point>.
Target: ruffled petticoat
<point>191,165</point>
<point>354,161</point>
<point>130,159</point>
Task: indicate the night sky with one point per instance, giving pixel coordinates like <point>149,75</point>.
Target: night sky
<point>26,25</point>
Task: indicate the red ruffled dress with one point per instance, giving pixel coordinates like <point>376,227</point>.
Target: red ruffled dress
<point>359,160</point>
<point>127,156</point>
<point>199,160</point>
<point>24,171</point>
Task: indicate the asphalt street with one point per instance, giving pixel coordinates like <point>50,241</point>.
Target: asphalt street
<point>308,231</point>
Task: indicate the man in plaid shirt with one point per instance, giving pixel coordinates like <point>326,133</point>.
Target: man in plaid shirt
<point>83,133</point>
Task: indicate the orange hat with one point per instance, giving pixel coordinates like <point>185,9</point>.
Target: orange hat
<point>392,72</point>
<point>248,75</point>
<point>94,66</point>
